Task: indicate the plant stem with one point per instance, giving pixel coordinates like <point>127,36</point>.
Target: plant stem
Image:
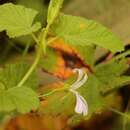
<point>43,38</point>
<point>26,50</point>
<point>119,113</point>
<point>35,38</point>
<point>41,46</point>
<point>53,91</point>
<point>31,69</point>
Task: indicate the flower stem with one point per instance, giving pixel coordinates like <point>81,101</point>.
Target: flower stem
<point>54,91</point>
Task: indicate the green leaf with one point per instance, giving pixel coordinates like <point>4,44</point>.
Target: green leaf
<point>110,75</point>
<point>21,99</point>
<point>115,83</point>
<point>13,73</point>
<point>38,5</point>
<point>53,10</point>
<point>76,30</point>
<point>90,91</point>
<point>111,69</point>
<point>17,20</point>
<point>58,103</point>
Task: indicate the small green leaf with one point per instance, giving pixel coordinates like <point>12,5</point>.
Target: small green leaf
<point>80,31</point>
<point>21,99</point>
<point>53,10</point>
<point>17,20</point>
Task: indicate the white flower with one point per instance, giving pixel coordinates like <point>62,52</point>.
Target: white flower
<point>81,104</point>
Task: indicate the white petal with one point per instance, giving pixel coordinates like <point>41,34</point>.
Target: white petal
<point>81,104</point>
<point>80,75</point>
<point>84,105</point>
<point>80,83</point>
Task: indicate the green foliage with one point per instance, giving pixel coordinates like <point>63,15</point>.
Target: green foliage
<point>37,5</point>
<point>11,75</point>
<point>111,69</point>
<point>18,82</point>
<point>91,92</point>
<point>22,99</point>
<point>110,74</point>
<point>76,30</point>
<point>17,20</point>
<point>63,100</point>
<point>41,16</point>
<point>53,10</point>
<point>115,83</point>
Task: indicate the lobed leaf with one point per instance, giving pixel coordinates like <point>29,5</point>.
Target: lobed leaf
<point>80,31</point>
<point>17,20</point>
<point>12,74</point>
<point>111,75</point>
<point>22,99</point>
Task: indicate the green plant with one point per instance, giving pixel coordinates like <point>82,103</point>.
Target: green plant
<point>19,82</point>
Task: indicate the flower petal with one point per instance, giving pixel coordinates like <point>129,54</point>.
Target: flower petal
<point>80,83</point>
<point>81,104</point>
<point>80,75</point>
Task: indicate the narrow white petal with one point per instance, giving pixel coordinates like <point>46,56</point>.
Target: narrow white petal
<point>80,75</point>
<point>81,105</point>
<point>84,106</point>
<point>80,83</point>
